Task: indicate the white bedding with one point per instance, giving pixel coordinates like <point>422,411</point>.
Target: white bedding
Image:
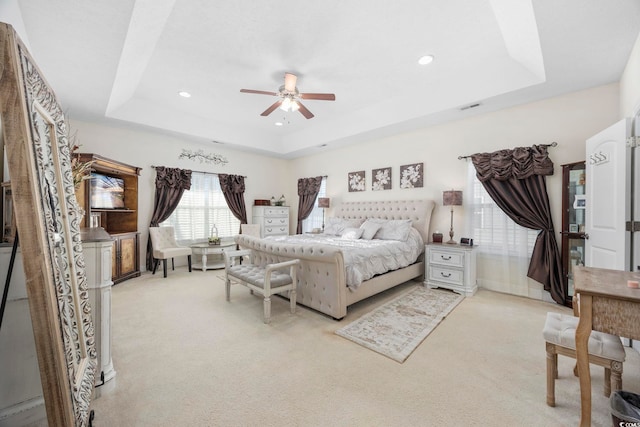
<point>364,259</point>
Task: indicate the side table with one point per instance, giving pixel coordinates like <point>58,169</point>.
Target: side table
<point>203,250</point>
<point>451,267</point>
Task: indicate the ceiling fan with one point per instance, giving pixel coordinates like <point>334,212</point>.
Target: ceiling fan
<point>290,97</point>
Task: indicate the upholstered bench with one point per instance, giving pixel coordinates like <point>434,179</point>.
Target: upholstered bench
<point>604,350</point>
<point>265,280</point>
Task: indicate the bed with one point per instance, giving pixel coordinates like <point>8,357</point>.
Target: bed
<point>325,282</point>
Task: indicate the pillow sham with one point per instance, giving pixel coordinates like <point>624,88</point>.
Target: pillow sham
<point>369,228</point>
<point>394,229</point>
<point>352,233</point>
<point>336,226</point>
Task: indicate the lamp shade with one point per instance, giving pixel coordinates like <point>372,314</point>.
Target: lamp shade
<point>452,198</point>
<point>323,202</point>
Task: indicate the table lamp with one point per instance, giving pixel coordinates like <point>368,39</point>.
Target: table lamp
<point>323,202</point>
<point>451,198</point>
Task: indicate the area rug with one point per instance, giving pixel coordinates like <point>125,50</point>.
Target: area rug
<point>396,328</point>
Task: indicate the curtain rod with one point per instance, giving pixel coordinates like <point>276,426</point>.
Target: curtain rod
<point>206,173</point>
<point>553,144</point>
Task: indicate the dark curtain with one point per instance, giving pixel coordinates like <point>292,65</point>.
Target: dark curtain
<point>233,190</point>
<point>308,189</point>
<point>515,180</point>
<point>170,184</point>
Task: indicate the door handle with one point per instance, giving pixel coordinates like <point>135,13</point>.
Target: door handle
<point>586,236</point>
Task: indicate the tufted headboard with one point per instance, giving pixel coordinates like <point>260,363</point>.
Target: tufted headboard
<point>419,211</point>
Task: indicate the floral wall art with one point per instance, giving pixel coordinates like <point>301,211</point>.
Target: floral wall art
<point>411,176</point>
<point>381,179</point>
<point>356,181</point>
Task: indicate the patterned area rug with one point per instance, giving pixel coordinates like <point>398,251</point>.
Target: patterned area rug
<point>399,326</point>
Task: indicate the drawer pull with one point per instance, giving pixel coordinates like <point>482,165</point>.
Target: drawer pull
<point>446,258</point>
<point>445,275</point>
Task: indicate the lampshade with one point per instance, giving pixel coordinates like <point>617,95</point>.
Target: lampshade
<point>323,202</point>
<point>452,198</point>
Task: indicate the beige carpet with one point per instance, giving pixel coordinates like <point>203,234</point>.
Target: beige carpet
<point>186,357</point>
<point>396,328</point>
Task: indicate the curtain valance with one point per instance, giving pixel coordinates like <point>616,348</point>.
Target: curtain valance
<point>173,178</point>
<point>518,163</point>
<point>231,183</point>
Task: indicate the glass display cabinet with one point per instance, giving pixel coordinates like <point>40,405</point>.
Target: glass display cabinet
<point>573,222</point>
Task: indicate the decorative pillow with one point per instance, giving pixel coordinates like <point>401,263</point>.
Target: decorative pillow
<point>370,228</point>
<point>336,226</point>
<point>394,229</point>
<point>352,233</point>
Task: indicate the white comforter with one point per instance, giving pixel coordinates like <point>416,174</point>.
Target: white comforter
<point>364,259</point>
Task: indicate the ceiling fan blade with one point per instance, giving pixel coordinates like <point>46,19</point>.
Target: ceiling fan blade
<point>259,92</point>
<point>290,82</point>
<point>272,108</point>
<point>320,96</point>
<point>305,112</point>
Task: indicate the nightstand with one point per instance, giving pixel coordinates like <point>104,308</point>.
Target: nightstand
<point>451,267</point>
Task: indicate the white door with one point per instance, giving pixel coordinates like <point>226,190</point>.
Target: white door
<point>607,202</point>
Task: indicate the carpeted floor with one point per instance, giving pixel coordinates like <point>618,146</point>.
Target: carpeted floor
<point>186,357</point>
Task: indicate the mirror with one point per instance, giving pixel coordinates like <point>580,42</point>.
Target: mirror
<point>47,219</point>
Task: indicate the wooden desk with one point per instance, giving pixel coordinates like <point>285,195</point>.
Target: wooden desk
<point>608,305</point>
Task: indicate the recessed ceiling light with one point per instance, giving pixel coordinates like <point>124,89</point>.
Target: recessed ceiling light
<point>279,123</point>
<point>184,94</point>
<point>427,59</point>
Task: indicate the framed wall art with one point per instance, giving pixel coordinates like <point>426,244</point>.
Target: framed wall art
<point>411,176</point>
<point>381,179</point>
<point>356,181</point>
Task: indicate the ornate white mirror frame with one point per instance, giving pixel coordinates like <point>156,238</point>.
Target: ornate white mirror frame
<point>47,223</point>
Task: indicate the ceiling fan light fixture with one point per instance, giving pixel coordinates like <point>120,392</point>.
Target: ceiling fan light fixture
<point>286,104</point>
<point>425,60</point>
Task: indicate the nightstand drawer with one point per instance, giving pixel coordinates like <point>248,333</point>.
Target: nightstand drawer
<point>442,274</point>
<point>453,259</point>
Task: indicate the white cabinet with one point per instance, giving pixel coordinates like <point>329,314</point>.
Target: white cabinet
<point>273,220</point>
<point>97,245</point>
<point>451,267</point>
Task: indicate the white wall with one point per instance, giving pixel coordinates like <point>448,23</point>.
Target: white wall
<point>569,120</point>
<point>630,84</point>
<point>265,176</point>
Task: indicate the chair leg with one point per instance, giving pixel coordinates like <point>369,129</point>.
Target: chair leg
<point>155,265</point>
<point>189,261</point>
<point>292,299</point>
<point>616,376</point>
<point>164,267</point>
<point>227,286</point>
<point>552,366</point>
<point>267,309</point>
<point>607,382</point>
<point>173,267</point>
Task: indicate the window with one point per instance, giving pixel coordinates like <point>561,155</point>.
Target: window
<point>200,208</point>
<point>314,220</point>
<point>491,229</point>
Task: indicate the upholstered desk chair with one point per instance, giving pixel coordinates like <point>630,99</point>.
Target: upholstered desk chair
<point>604,350</point>
<point>164,244</point>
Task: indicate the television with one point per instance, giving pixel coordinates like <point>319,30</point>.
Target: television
<point>107,192</point>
